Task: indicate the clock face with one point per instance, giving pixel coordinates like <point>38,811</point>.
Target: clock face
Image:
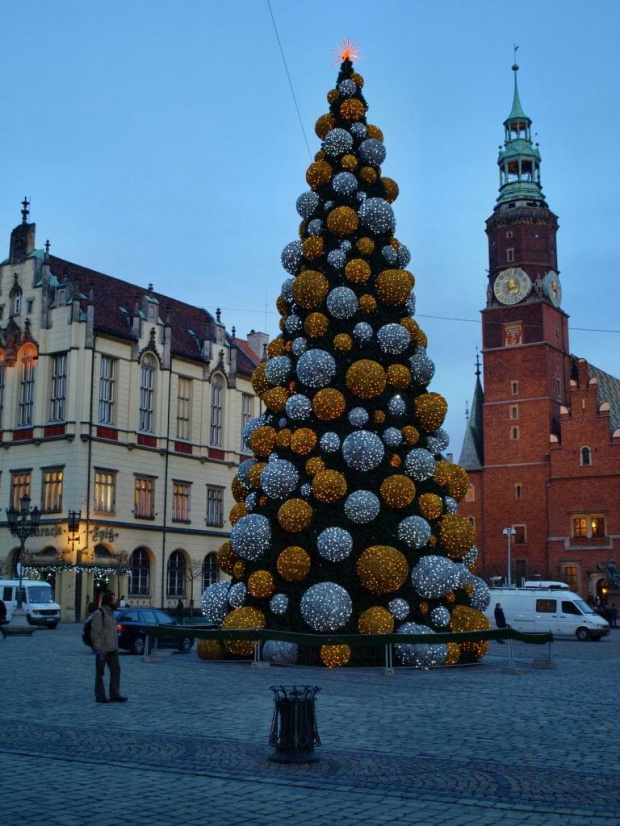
<point>512,285</point>
<point>552,288</point>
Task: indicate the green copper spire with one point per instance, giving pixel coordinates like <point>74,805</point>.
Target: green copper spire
<point>519,159</point>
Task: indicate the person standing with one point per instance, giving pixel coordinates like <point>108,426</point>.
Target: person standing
<point>180,610</point>
<point>105,647</point>
<point>500,619</point>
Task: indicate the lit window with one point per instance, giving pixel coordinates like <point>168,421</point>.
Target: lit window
<point>51,492</point>
<point>147,393</point>
<point>180,501</point>
<point>571,576</point>
<point>184,406</point>
<point>209,571</point>
<point>58,392</point>
<point>215,506</point>
<point>107,392</point>
<point>586,526</point>
<point>470,495</point>
<point>144,498</point>
<point>105,491</point>
<point>26,388</point>
<point>139,573</point>
<point>598,525</point>
<point>217,402</point>
<point>586,456</point>
<point>246,416</point>
<point>20,486</point>
<point>177,574</point>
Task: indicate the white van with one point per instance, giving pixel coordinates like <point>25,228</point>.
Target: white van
<point>39,602</point>
<point>554,609</point>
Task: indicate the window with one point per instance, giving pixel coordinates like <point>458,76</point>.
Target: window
<point>105,491</point>
<point>472,521</point>
<point>520,535</point>
<point>470,495</point>
<point>26,388</point>
<point>586,457</point>
<point>144,498</point>
<point>215,506</point>
<point>147,394</point>
<point>209,571</point>
<point>217,400</point>
<point>514,411</point>
<point>514,387</point>
<point>176,575</point>
<point>510,255</point>
<point>58,392</point>
<point>51,490</point>
<point>29,306</point>
<point>107,391</point>
<point>518,490</point>
<point>246,416</point>
<point>17,303</point>
<point>509,234</point>
<point>558,387</point>
<point>180,501</point>
<point>546,606</point>
<point>139,573</point>
<point>588,526</point>
<point>520,571</point>
<point>514,433</point>
<point>570,608</point>
<point>184,407</point>
<point>570,574</point>
<point>2,385</point>
<point>20,486</point>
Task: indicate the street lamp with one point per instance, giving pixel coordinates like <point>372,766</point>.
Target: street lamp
<point>509,533</point>
<point>22,524</point>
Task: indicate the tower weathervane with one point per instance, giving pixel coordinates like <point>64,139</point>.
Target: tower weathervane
<point>25,210</point>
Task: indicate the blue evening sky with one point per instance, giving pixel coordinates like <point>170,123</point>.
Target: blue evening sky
<point>159,142</point>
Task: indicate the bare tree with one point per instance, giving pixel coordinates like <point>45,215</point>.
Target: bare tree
<point>194,571</point>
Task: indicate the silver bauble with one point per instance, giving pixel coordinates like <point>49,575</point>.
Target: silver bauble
<point>315,227</point>
<point>363,450</point>
<point>307,203</point>
<point>251,426</point>
<point>442,437</point>
<point>280,653</point>
<point>293,324</point>
<point>291,257</point>
<point>362,506</point>
<point>363,331</point>
<point>397,406</point>
<point>243,470</point>
<point>414,531</point>
<point>435,576</point>
<point>278,369</point>
<point>471,556</point>
<point>422,367</point>
<point>392,436</point>
<point>214,602</point>
<point>347,88</point>
<point>440,616</point>
<point>330,442</point>
<point>326,606</point>
<point>237,594</point>
<point>399,608</point>
<point>371,151</point>
<point>306,490</point>
<point>481,595</point>
<point>344,184</point>
<point>336,259</point>
<point>404,256</point>
<point>342,303</point>
<point>377,216</point>
<point>410,304</point>
<point>279,478</point>
<point>346,245</point>
<point>393,338</point>
<point>358,130</point>
<point>299,346</point>
<point>420,655</point>
<point>251,536</point>
<point>334,544</point>
<point>358,417</point>
<point>287,289</point>
<point>452,506</point>
<point>278,603</point>
<point>390,255</point>
<point>419,464</point>
<point>316,368</point>
<point>298,407</point>
<point>251,500</point>
<point>337,142</point>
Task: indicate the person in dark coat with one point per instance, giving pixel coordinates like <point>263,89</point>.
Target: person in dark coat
<point>180,610</point>
<point>500,619</point>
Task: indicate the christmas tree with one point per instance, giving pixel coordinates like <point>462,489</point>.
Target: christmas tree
<point>346,518</point>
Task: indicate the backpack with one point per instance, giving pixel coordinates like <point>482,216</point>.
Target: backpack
<point>87,638</point>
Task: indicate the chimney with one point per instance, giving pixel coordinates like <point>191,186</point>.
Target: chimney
<point>258,342</point>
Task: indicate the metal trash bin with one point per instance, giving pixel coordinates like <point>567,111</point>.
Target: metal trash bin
<point>294,732</point>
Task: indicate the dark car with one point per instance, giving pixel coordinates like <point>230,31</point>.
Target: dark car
<point>133,623</point>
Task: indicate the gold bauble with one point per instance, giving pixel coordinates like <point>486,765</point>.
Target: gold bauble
<point>352,109</point>
<point>342,220</point>
<point>395,460</point>
<point>245,617</point>
<point>358,80</point>
<point>328,404</point>
<point>366,246</point>
<point>373,131</point>
<point>443,473</point>
<point>275,347</point>
<point>329,486</point>
<point>397,491</point>
<point>390,189</point>
<point>259,380</point>
<point>398,376</point>
<point>324,124</point>
<point>432,541</point>
<point>465,618</point>
<point>262,440</point>
<point>281,307</point>
<point>275,399</point>
<point>368,174</point>
<point>343,342</point>
<point>318,156</point>
<point>314,465</point>
<point>366,378</point>
<point>294,515</point>
<point>394,286</point>
<point>431,409</point>
<point>303,441</point>
<point>318,174</point>
<point>458,483</point>
<point>312,247</point>
<point>335,656</point>
<point>210,650</point>
<point>282,324</point>
<point>310,288</point>
<point>357,271</point>
<point>412,326</point>
<point>255,472</point>
<point>283,439</point>
<point>348,162</point>
<point>411,434</point>
<point>430,505</point>
<point>333,95</point>
<point>238,569</point>
<point>394,242</point>
<point>316,325</point>
<point>379,416</point>
<point>239,490</point>
<point>375,620</point>
<point>368,303</point>
<point>293,564</point>
<point>382,569</point>
<point>236,512</point>
<point>454,654</point>
<point>457,534</point>
<point>261,584</point>
<point>423,608</point>
<point>226,558</point>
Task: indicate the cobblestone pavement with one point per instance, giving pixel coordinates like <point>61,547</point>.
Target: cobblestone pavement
<point>459,746</point>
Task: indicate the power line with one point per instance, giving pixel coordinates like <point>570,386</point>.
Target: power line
<point>290,82</point>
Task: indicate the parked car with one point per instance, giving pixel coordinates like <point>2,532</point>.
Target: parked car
<point>132,625</point>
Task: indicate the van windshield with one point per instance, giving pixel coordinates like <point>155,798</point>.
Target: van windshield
<point>39,593</point>
<point>583,606</point>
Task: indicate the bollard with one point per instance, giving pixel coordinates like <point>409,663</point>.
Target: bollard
<point>294,732</point>
<point>389,664</point>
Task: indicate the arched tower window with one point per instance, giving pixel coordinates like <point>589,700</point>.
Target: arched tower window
<point>139,573</point>
<point>176,574</point>
<point>209,571</point>
<point>586,457</point>
<point>217,410</point>
<point>147,393</point>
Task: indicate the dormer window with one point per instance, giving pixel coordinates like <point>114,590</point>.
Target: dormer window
<point>17,303</point>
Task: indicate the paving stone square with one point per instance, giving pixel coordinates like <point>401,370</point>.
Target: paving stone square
<point>458,746</point>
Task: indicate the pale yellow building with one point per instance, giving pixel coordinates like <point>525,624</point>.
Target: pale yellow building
<point>126,406</point>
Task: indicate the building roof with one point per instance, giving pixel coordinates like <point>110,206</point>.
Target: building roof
<point>115,300</point>
<point>608,390</point>
<point>472,452</point>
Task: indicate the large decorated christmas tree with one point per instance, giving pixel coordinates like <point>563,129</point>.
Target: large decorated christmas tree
<point>346,518</point>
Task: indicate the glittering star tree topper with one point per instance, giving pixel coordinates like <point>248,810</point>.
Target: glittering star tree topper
<point>346,516</point>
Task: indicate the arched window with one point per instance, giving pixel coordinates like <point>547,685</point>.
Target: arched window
<point>217,409</point>
<point>209,571</point>
<point>26,387</point>
<point>177,574</point>
<point>139,573</point>
<point>586,456</point>
<point>147,393</point>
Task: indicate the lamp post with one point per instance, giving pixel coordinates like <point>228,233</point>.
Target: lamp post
<point>22,524</point>
<point>509,533</point>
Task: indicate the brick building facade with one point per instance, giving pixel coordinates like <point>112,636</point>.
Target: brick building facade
<point>542,444</point>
